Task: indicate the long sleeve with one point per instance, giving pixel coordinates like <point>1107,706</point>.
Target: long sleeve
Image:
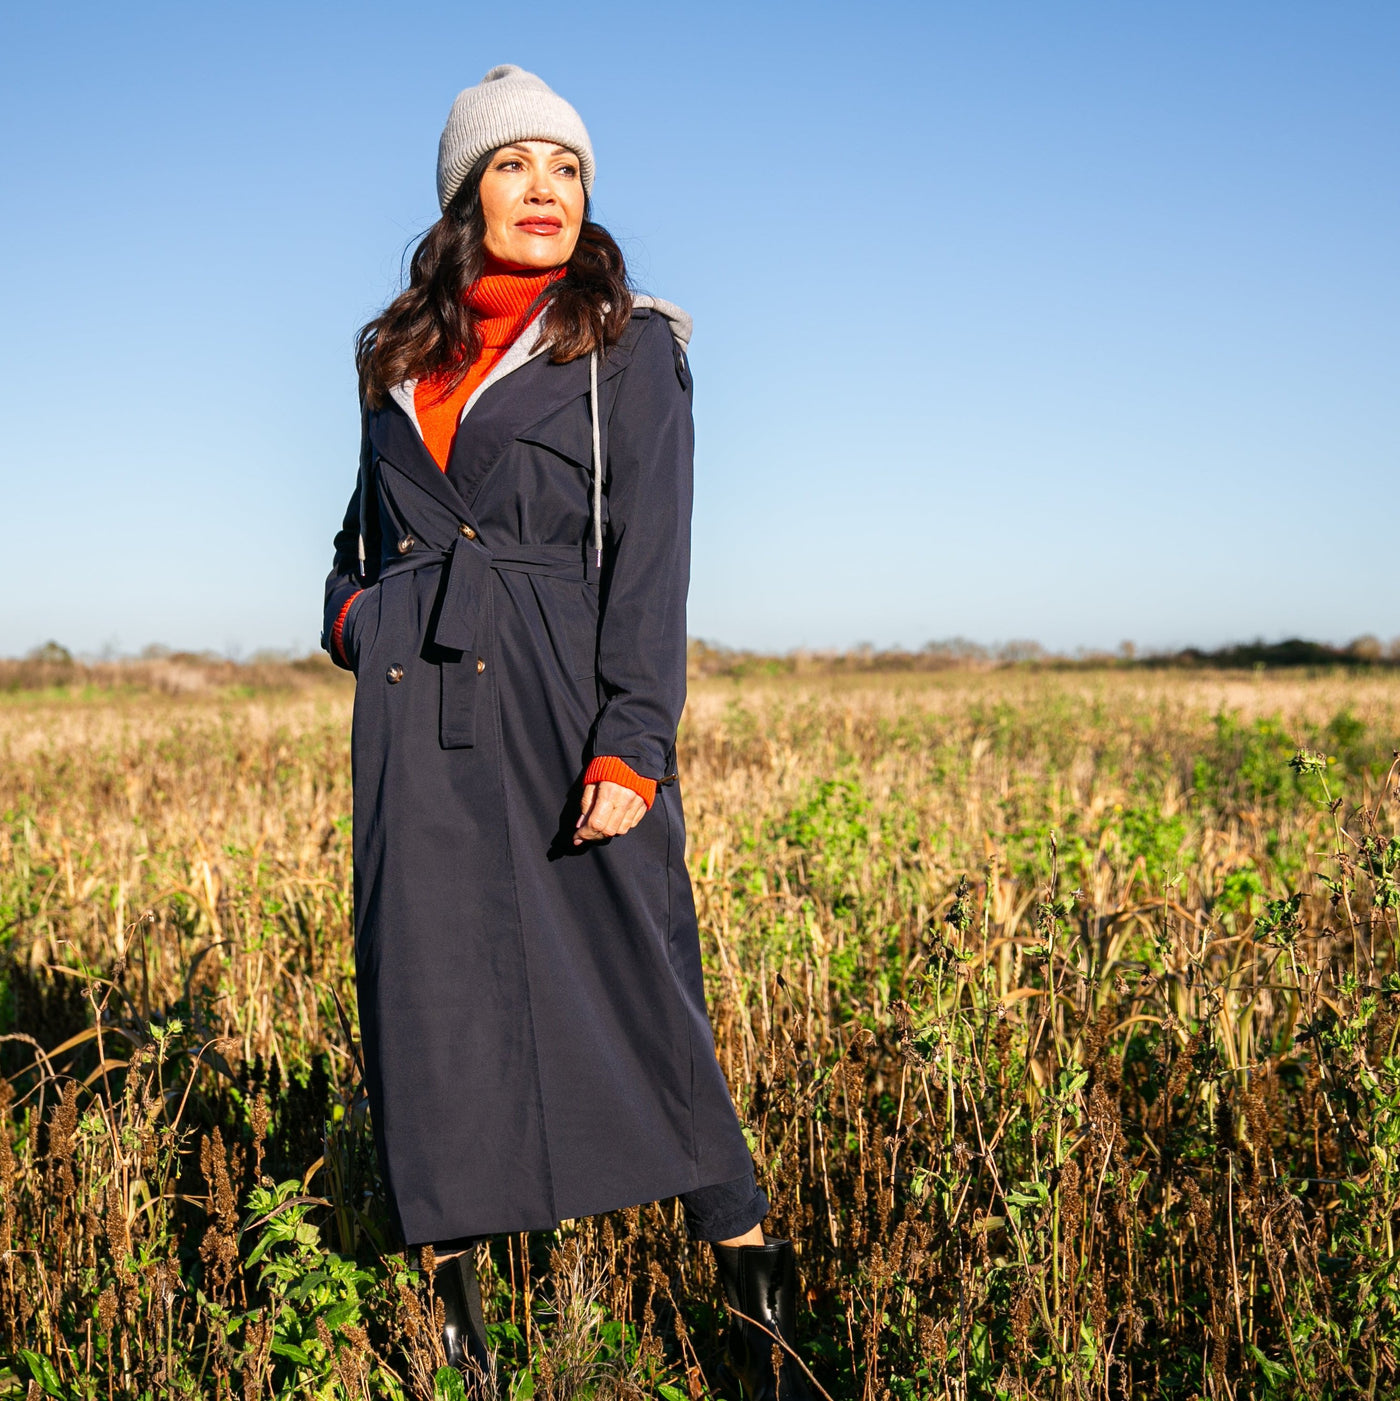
<point>345,579</point>
<point>642,637</point>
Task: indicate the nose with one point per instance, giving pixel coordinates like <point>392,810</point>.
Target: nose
<point>541,194</point>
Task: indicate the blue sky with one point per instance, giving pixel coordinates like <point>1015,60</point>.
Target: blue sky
<point>1058,320</point>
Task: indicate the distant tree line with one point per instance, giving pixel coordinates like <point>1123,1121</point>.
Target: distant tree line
<point>712,659</point>
<point>161,669</point>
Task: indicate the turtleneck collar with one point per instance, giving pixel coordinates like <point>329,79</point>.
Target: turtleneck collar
<point>502,296</point>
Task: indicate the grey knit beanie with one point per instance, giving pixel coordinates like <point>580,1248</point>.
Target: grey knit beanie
<point>507,105</point>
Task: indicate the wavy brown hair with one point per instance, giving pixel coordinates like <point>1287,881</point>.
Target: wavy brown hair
<point>428,329</point>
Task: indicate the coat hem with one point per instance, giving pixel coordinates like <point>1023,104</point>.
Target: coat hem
<point>460,1230</point>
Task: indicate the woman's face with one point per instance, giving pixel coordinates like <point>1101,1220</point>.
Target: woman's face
<point>532,201</point>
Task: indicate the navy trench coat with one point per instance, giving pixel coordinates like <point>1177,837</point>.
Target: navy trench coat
<point>533,1016</point>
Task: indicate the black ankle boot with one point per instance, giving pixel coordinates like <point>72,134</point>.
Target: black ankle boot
<point>761,1282</point>
<point>463,1326</point>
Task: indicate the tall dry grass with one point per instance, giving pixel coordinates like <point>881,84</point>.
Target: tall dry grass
<point>1060,1009</point>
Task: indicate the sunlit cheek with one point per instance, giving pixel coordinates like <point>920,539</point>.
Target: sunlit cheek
<point>493,211</point>
<point>572,206</point>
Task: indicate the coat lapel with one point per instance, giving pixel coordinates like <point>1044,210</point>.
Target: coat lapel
<point>506,409</point>
<point>397,440</point>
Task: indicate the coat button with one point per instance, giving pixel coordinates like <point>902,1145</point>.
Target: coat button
<point>394,675</point>
<point>406,544</point>
<point>465,529</point>
<point>480,665</point>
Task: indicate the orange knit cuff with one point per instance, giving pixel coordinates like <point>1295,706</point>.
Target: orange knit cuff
<point>607,769</point>
<point>338,631</point>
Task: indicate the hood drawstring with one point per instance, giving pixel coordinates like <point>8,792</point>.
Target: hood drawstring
<point>597,462</point>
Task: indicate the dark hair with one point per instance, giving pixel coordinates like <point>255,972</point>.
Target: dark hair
<point>428,329</point>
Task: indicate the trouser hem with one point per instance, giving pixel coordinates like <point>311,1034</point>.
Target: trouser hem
<point>711,1213</point>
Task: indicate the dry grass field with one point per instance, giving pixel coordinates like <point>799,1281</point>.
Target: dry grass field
<point>1061,1008</point>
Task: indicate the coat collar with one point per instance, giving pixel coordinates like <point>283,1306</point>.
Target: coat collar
<point>524,348</point>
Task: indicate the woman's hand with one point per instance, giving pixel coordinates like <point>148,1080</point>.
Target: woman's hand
<point>609,810</point>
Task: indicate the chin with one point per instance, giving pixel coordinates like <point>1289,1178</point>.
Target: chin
<point>544,255</point>
<point>535,254</point>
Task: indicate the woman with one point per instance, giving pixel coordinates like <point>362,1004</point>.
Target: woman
<point>509,587</point>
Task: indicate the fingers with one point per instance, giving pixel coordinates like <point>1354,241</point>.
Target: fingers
<point>609,810</point>
<point>611,814</point>
<point>632,812</point>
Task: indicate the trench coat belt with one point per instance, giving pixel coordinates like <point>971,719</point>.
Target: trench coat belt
<point>461,615</point>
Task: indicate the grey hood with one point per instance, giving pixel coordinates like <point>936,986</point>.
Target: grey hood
<point>681,323</point>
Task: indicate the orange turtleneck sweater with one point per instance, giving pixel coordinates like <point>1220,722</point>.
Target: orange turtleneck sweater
<point>503,300</point>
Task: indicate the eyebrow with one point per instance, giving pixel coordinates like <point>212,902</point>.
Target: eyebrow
<point>557,151</point>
